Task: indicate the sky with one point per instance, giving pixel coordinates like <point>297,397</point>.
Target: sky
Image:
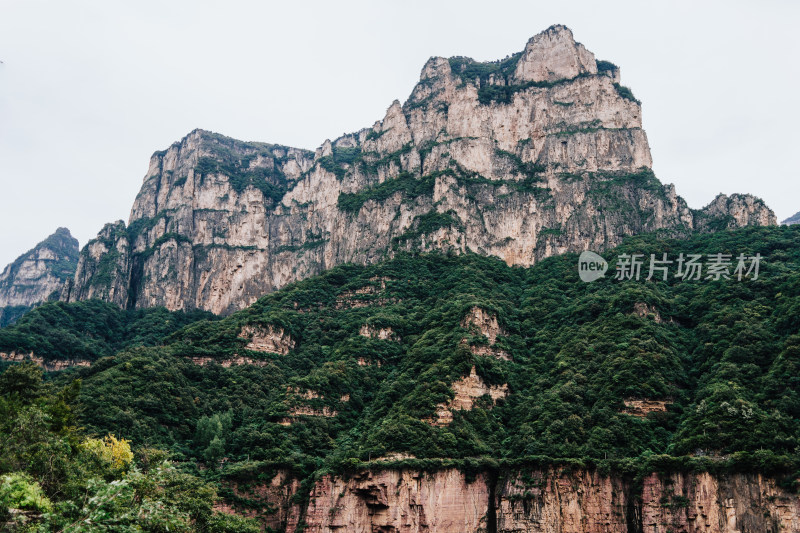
<point>90,89</point>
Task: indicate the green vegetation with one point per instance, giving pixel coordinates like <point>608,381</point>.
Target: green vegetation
<point>469,70</point>
<point>567,130</point>
<point>11,313</point>
<point>90,330</point>
<point>340,159</point>
<point>375,135</point>
<point>531,170</point>
<point>270,181</point>
<point>411,186</point>
<point>428,223</point>
<point>55,477</point>
<point>415,186</point>
<point>723,357</point>
<point>476,72</point>
<point>604,66</point>
<point>479,73</point>
<point>626,93</point>
<point>232,158</point>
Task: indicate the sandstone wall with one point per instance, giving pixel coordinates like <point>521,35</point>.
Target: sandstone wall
<point>540,500</point>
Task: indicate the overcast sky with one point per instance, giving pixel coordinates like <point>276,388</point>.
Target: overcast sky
<point>88,90</point>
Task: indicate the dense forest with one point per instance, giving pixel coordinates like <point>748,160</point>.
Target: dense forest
<point>631,375</point>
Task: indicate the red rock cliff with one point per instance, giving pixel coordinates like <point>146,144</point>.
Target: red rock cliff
<point>546,500</point>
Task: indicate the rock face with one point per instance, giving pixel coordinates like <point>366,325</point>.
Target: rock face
<point>272,501</point>
<point>384,334</point>
<point>37,275</point>
<point>269,339</point>
<point>485,324</point>
<point>736,211</point>
<point>466,391</point>
<point>641,408</point>
<point>53,365</point>
<point>538,154</point>
<point>547,500</point>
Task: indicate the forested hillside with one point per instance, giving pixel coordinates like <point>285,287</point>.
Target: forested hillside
<point>430,360</point>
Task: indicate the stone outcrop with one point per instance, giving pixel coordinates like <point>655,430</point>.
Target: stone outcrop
<point>384,334</point>
<point>644,310</point>
<point>735,211</point>
<point>550,500</point>
<point>552,56</point>
<point>307,410</point>
<point>484,323</point>
<point>37,275</point>
<point>466,391</point>
<point>228,362</point>
<point>538,154</point>
<point>48,365</point>
<point>269,339</point>
<point>643,407</point>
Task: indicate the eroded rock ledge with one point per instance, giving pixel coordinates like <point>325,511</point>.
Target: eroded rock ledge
<point>48,365</point>
<point>267,339</point>
<point>467,391</point>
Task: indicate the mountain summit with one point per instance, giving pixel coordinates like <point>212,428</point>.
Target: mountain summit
<point>535,155</point>
<point>37,274</point>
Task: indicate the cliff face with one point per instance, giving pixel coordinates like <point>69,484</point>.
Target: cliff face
<point>35,275</point>
<point>539,154</point>
<point>544,500</point>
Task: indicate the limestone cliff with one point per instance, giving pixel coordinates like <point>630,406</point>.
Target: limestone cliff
<point>35,275</point>
<point>550,500</point>
<point>538,154</point>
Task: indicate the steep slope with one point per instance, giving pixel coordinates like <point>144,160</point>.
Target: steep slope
<point>538,154</point>
<point>37,274</point>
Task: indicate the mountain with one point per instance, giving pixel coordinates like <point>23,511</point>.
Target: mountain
<point>524,158</point>
<point>37,274</point>
<point>454,393</point>
<point>794,219</point>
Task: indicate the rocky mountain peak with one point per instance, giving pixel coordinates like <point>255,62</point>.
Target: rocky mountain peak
<point>735,211</point>
<point>435,67</point>
<point>554,55</point>
<point>37,274</point>
<point>534,155</point>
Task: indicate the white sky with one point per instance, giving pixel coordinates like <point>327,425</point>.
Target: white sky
<point>88,90</point>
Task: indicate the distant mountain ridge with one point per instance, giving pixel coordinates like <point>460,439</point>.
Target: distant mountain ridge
<point>37,274</point>
<point>536,155</point>
<point>794,219</point>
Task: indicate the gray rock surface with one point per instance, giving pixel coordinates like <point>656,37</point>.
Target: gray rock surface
<point>37,275</point>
